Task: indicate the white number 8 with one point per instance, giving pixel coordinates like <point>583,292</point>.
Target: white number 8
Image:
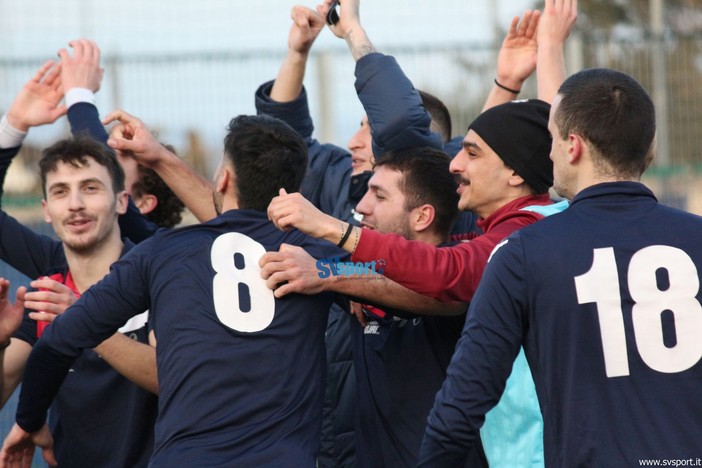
<point>232,309</point>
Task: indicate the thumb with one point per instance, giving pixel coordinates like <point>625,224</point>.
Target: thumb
<point>19,298</point>
<point>282,192</point>
<point>49,458</point>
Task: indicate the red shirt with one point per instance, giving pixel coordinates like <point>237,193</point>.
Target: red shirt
<point>453,273</point>
<point>68,281</point>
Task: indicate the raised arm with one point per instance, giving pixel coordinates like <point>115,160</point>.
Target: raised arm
<point>37,103</point>
<point>394,108</point>
<point>349,27</point>
<point>556,23</point>
<point>516,60</point>
<point>307,25</point>
<point>131,136</point>
<point>81,76</point>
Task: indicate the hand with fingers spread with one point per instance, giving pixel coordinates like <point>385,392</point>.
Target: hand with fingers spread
<point>291,270</point>
<point>38,101</point>
<point>50,299</point>
<point>517,58</point>
<point>131,136</point>
<point>18,448</point>
<point>10,314</point>
<point>82,69</point>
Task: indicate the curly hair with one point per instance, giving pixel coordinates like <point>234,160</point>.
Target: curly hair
<point>169,210</point>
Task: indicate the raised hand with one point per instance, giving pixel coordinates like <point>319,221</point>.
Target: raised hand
<point>557,21</point>
<point>307,24</point>
<point>516,60</point>
<point>349,27</point>
<point>82,69</point>
<point>349,17</point>
<point>38,101</point>
<point>555,26</point>
<point>131,137</point>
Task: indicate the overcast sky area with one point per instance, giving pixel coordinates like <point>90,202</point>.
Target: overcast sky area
<point>31,31</point>
<point>31,27</point>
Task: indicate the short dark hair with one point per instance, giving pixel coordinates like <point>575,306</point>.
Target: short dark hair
<point>613,112</point>
<point>75,151</point>
<point>440,116</point>
<point>267,155</point>
<point>426,179</point>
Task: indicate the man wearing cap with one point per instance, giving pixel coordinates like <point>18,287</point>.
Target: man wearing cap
<point>504,173</point>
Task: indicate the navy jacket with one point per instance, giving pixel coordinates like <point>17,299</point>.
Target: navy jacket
<point>605,299</point>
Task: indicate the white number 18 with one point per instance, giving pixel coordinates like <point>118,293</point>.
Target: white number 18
<point>601,285</point>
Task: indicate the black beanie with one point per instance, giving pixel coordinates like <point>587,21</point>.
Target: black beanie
<point>518,132</point>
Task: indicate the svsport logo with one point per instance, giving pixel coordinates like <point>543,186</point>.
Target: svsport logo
<point>335,267</point>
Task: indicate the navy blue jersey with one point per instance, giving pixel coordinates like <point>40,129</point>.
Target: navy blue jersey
<point>99,418</point>
<point>605,298</point>
<point>400,365</point>
<point>240,373</point>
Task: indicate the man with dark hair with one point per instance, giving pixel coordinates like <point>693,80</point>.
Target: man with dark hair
<point>606,305</point>
<point>240,373</point>
<point>83,186</point>
<point>151,195</point>
<point>336,179</point>
<point>74,152</point>
<point>256,184</point>
<point>413,194</point>
<point>440,116</point>
<point>422,177</point>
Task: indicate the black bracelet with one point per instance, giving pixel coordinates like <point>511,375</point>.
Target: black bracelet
<point>345,237</point>
<point>513,91</point>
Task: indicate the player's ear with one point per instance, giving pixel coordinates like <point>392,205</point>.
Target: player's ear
<point>146,203</point>
<point>226,180</point>
<point>422,217</point>
<point>515,180</point>
<point>122,200</point>
<point>45,209</point>
<point>576,146</point>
